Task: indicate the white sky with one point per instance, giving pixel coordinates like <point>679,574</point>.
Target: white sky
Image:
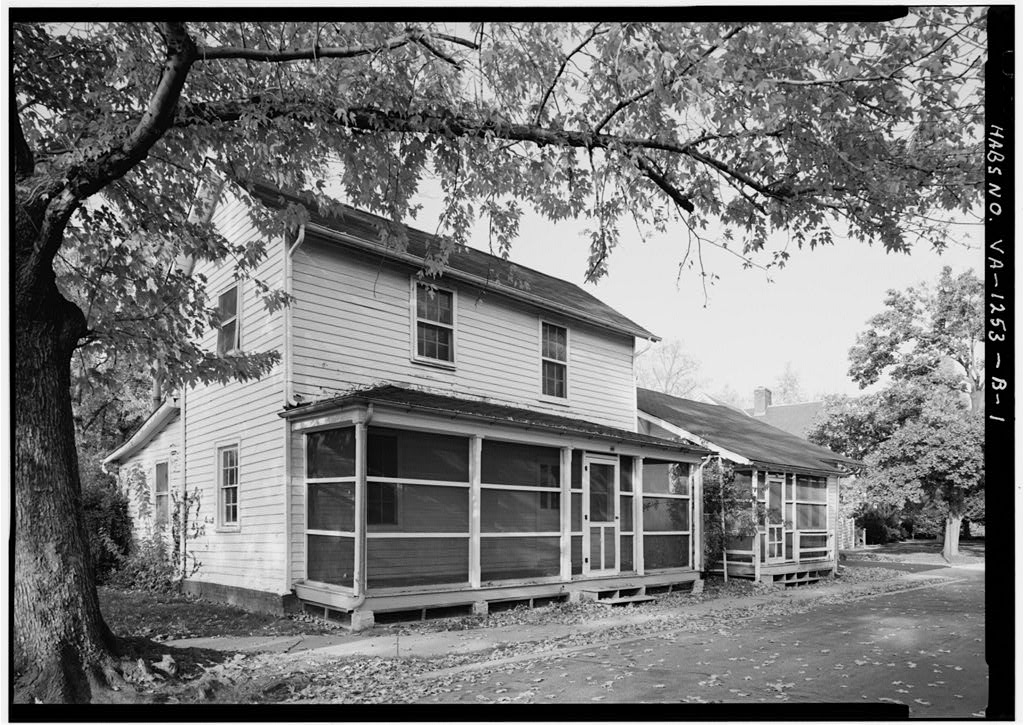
<point>810,313</point>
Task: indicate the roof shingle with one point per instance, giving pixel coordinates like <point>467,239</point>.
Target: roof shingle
<point>487,270</point>
<point>739,433</point>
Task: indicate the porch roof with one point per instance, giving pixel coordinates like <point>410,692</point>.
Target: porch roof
<point>738,433</point>
<point>449,406</point>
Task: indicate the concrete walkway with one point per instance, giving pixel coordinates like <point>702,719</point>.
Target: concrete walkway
<point>384,643</point>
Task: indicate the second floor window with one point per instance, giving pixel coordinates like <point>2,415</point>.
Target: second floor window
<point>554,354</point>
<point>228,334</point>
<point>435,324</point>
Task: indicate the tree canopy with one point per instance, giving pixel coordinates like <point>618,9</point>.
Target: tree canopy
<point>781,133</point>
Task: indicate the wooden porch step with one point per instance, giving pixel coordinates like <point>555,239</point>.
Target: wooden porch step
<point>635,599</point>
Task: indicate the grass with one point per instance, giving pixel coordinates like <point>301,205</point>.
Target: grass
<point>163,616</point>
<point>921,551</point>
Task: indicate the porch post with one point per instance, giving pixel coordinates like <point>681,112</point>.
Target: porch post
<point>757,557</point>
<point>359,571</point>
<point>638,514</point>
<point>475,451</point>
<point>697,522</point>
<point>832,517</point>
<point>565,527</point>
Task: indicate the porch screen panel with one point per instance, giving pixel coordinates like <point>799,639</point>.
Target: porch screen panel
<point>666,514</point>
<point>666,509</point>
<point>626,553</point>
<point>577,512</point>
<point>811,516</point>
<point>393,453</point>
<point>576,554</point>
<point>625,513</point>
<point>331,453</point>
<point>394,562</point>
<point>519,558</point>
<point>520,511</point>
<point>666,552</point>
<point>330,506</point>
<point>330,559</point>
<point>625,474</point>
<point>417,509</point>
<point>516,464</point>
<point>811,488</point>
<point>505,511</point>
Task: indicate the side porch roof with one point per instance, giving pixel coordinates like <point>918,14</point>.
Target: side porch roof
<point>736,435</point>
<point>155,423</point>
<point>462,408</point>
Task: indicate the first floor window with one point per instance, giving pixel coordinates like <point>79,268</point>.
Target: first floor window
<point>554,354</point>
<point>161,492</point>
<point>228,474</point>
<point>228,332</point>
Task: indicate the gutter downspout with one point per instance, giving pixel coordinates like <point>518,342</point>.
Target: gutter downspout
<point>286,392</point>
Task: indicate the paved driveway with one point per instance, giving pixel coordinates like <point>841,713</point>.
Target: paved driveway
<point>921,647</point>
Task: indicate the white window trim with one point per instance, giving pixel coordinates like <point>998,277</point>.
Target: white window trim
<point>221,525</point>
<point>237,284</point>
<point>414,355</point>
<point>540,367</point>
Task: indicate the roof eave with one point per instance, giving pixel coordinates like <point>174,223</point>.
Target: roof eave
<point>356,399</point>
<point>521,295</point>
<point>152,425</point>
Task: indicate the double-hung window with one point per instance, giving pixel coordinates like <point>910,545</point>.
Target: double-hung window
<point>228,334</point>
<point>554,355</point>
<point>161,496</point>
<point>435,324</point>
<point>227,474</point>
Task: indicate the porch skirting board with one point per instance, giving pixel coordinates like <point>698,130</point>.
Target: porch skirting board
<point>249,599</point>
<point>771,571</point>
<point>400,601</point>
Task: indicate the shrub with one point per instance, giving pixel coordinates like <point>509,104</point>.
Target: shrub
<point>108,524</point>
<point>147,567</point>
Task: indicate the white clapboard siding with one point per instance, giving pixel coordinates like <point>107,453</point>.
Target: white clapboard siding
<point>165,446</point>
<point>252,557</point>
<point>351,328</point>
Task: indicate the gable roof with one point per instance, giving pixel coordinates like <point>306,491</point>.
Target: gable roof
<point>156,422</point>
<point>795,418</point>
<point>735,432</point>
<point>452,407</point>
<point>361,229</point>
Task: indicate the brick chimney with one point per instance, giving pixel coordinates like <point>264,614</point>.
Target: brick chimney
<point>762,400</point>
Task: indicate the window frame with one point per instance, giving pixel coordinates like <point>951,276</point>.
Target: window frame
<point>166,523</point>
<point>236,345</point>
<point>414,323</point>
<point>222,524</point>
<point>558,400</point>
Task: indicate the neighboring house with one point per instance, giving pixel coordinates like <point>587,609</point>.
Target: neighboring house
<point>795,418</point>
<point>465,441</point>
<point>796,481</point>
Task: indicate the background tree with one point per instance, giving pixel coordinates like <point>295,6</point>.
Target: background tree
<point>761,127</point>
<point>928,342</point>
<point>924,329</point>
<point>669,369</point>
<point>788,388</point>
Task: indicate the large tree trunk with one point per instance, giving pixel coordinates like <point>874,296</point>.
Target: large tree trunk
<point>951,539</point>
<point>62,646</point>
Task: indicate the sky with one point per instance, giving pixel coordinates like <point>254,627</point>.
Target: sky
<point>752,323</point>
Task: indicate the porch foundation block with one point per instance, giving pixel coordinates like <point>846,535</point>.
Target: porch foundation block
<point>698,586</point>
<point>480,609</point>
<point>362,619</point>
<point>575,596</point>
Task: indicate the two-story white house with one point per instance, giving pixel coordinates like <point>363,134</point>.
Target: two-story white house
<point>468,440</point>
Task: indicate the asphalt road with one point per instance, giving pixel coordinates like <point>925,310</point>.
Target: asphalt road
<point>923,648</point>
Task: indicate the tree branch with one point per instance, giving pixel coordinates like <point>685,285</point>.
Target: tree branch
<point>565,61</point>
<point>659,179</point>
<point>643,94</point>
<point>286,56</point>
